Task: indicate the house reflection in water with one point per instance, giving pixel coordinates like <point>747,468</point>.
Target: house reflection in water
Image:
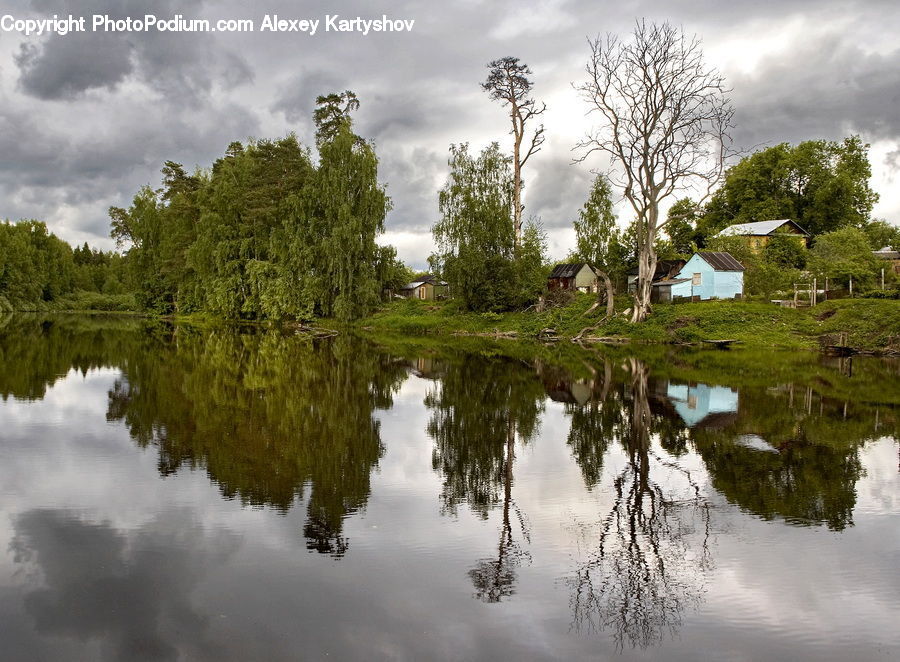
<point>704,406</point>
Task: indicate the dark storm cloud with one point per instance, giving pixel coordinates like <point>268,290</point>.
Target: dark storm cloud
<point>68,66</point>
<point>193,94</point>
<point>63,67</point>
<point>48,166</point>
<point>298,98</point>
<point>557,191</point>
<point>839,89</point>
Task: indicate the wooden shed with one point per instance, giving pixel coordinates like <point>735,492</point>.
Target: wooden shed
<point>427,288</point>
<point>575,277</point>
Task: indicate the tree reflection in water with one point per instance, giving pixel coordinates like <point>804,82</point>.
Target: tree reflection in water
<point>271,418</point>
<point>651,549</point>
<point>480,410</point>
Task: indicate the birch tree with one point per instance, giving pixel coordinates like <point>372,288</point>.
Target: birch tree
<point>509,84</point>
<point>666,117</point>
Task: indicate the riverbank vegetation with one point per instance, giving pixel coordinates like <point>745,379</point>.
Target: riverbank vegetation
<point>869,324</point>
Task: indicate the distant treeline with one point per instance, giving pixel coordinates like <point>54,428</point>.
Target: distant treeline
<point>39,270</point>
<point>267,232</point>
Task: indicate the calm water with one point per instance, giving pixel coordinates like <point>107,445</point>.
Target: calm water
<point>173,493</point>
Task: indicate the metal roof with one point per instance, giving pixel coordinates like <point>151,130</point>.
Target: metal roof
<point>428,278</point>
<point>721,261</point>
<point>568,270</point>
<point>757,229</point>
<point>887,253</point>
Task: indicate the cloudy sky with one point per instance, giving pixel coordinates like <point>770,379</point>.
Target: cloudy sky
<point>86,119</point>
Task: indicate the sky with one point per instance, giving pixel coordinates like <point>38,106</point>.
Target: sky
<point>88,118</point>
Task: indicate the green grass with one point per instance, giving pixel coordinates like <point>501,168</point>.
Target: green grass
<point>870,324</point>
<point>80,301</point>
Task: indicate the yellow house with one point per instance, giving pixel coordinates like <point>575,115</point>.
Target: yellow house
<point>760,233</point>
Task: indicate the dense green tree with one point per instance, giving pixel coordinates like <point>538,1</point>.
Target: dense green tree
<point>266,232</point>
<point>596,228</point>
<point>475,235</point>
<point>351,207</point>
<point>35,265</point>
<point>243,207</point>
<point>531,261</point>
<point>881,234</point>
<point>822,185</point>
<point>681,227</point>
<point>843,255</point>
<point>784,250</point>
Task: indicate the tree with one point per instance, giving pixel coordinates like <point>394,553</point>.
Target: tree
<point>509,84</point>
<point>475,236</point>
<point>881,234</point>
<point>595,235</point>
<point>332,112</point>
<point>784,250</point>
<point>666,121</point>
<point>680,226</point>
<point>844,255</point>
<point>351,206</point>
<point>821,185</point>
<point>595,228</point>
<point>531,256</point>
<point>266,232</point>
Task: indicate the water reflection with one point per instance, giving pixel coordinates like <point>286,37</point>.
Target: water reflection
<point>271,418</point>
<point>648,553</point>
<point>481,409</point>
<point>131,590</point>
<point>660,455</point>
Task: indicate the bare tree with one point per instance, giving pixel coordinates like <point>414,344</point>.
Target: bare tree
<point>667,118</point>
<point>509,84</point>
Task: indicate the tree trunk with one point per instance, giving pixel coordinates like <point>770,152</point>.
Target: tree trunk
<point>646,263</point>
<point>519,132</point>
<point>646,267</point>
<point>610,293</point>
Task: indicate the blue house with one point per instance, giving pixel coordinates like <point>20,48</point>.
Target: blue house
<point>708,275</point>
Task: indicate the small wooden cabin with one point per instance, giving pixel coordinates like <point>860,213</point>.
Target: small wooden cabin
<point>575,277</point>
<point>427,288</point>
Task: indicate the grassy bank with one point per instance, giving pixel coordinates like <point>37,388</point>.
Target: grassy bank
<point>81,301</point>
<point>870,324</point>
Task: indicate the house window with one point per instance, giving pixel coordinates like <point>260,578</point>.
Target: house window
<point>697,279</point>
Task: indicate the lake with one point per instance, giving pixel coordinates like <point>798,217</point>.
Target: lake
<point>171,492</point>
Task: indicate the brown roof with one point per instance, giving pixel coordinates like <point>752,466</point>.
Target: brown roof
<point>721,261</point>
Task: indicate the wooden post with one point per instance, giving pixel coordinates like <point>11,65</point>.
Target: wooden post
<point>826,288</point>
<point>882,278</point>
<point>851,287</point>
<point>814,291</point>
